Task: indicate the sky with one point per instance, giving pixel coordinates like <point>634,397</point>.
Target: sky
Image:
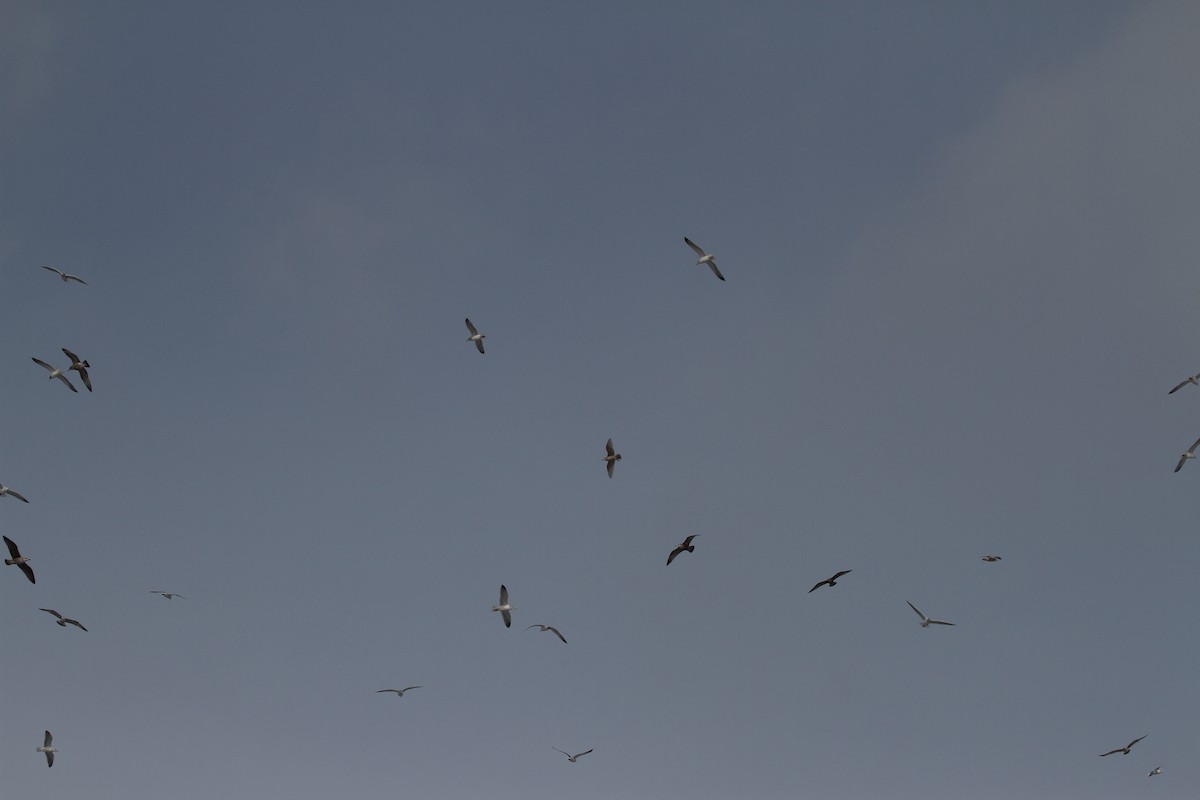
<point>960,247</point>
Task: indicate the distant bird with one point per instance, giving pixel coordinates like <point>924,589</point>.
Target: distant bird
<point>990,558</point>
<point>65,276</point>
<point>48,749</point>
<point>686,544</point>
<point>550,628</point>
<point>79,366</point>
<point>1189,453</point>
<point>1124,749</point>
<point>830,581</point>
<point>705,258</point>
<point>18,560</point>
<point>572,758</point>
<point>5,490</point>
<point>64,621</point>
<point>56,373</point>
<point>1193,379</point>
<point>926,621</point>
<point>505,608</point>
<point>475,336</point>
<point>612,458</point>
<point>1155,771</point>
<point>167,595</point>
<point>399,692</point>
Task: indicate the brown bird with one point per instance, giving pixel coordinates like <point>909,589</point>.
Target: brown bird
<point>831,581</point>
<point>18,560</point>
<point>64,621</point>
<point>612,457</point>
<point>80,367</point>
<point>686,544</point>
<point>990,558</point>
<point>1124,749</point>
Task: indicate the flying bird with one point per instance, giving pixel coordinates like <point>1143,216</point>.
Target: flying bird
<point>56,373</point>
<point>1189,453</point>
<point>686,544</point>
<point>399,692</point>
<point>505,608</point>
<point>550,628</point>
<point>926,621</point>
<point>18,560</point>
<point>64,621</point>
<point>1155,771</point>
<point>830,581</point>
<point>572,758</point>
<point>612,458</point>
<point>1192,379</point>
<point>705,258</point>
<point>475,336</point>
<point>5,490</point>
<point>65,276</point>
<point>167,595</point>
<point>1124,749</point>
<point>48,749</point>
<point>990,558</point>
<point>79,366</point>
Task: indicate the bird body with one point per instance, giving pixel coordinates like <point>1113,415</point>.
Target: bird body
<point>990,558</point>
<point>1187,454</point>
<point>18,560</point>
<point>686,544</point>
<point>5,490</point>
<point>927,621</point>
<point>79,366</point>
<point>1125,750</point>
<point>1155,771</point>
<point>1194,380</point>
<point>167,595</point>
<point>48,749</point>
<point>611,458</point>
<point>399,692</point>
<point>63,621</point>
<point>55,372</point>
<point>550,628</point>
<point>505,608</point>
<point>831,582</point>
<point>475,336</point>
<point>705,258</point>
<point>66,276</point>
<point>572,758</point>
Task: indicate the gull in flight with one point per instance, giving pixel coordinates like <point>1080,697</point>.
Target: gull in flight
<point>18,560</point>
<point>48,749</point>
<point>65,276</point>
<point>56,373</point>
<point>1189,453</point>
<point>505,608</point>
<point>990,558</point>
<point>5,490</point>
<point>550,628</point>
<point>1124,749</point>
<point>830,581</point>
<point>926,621</point>
<point>167,595</point>
<point>1192,379</point>
<point>399,692</point>
<point>80,367</point>
<point>686,544</point>
<point>705,258</point>
<point>1155,771</point>
<point>475,336</point>
<point>612,458</point>
<point>64,621</point>
<point>572,758</point>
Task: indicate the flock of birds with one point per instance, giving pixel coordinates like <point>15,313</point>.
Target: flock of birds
<point>504,607</point>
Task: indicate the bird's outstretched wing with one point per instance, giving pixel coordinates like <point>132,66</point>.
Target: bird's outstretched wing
<point>695,247</point>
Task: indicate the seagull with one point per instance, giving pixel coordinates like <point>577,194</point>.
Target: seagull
<point>570,757</point>
<point>686,544</point>
<point>1193,379</point>
<point>399,692</point>
<point>48,749</point>
<point>5,490</point>
<point>550,628</point>
<point>612,458</point>
<point>1124,749</point>
<point>705,258</point>
<point>80,367</point>
<point>56,373</point>
<point>1155,771</point>
<point>926,621</point>
<point>1189,453</point>
<point>64,621</point>
<point>475,336</point>
<point>167,595</point>
<point>831,581</point>
<point>65,276</point>
<point>505,608</point>
<point>18,560</point>
<point>990,558</point>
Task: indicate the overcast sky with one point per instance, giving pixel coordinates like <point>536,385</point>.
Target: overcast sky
<point>961,249</point>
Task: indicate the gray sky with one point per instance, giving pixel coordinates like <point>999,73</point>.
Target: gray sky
<point>960,245</point>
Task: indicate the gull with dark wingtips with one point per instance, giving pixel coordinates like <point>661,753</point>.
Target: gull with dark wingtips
<point>49,749</point>
<point>612,458</point>
<point>56,373</point>
<point>18,560</point>
<point>830,581</point>
<point>167,595</point>
<point>550,628</point>
<point>66,276</point>
<point>685,545</point>
<point>1187,454</point>
<point>1194,380</point>
<point>572,758</point>
<point>705,258</point>
<point>1124,749</point>
<point>475,336</point>
<point>399,692</point>
<point>505,608</point>
<point>79,366</point>
<point>5,490</point>
<point>64,621</point>
<point>1155,771</point>
<point>926,621</point>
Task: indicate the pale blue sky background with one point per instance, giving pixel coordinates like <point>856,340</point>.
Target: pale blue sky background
<point>961,250</point>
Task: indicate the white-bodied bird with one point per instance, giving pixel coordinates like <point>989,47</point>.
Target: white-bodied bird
<point>55,372</point>
<point>572,758</point>
<point>49,749</point>
<point>5,490</point>
<point>927,621</point>
<point>65,275</point>
<point>18,560</point>
<point>64,621</point>
<point>1189,453</point>
<point>475,336</point>
<point>505,608</point>
<point>550,628</point>
<point>705,258</point>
